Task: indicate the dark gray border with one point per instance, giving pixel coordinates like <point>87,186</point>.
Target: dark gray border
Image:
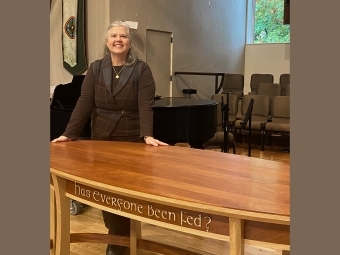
<point>25,127</point>
<point>315,187</point>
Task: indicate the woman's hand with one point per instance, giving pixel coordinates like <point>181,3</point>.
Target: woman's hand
<point>61,139</point>
<point>152,141</point>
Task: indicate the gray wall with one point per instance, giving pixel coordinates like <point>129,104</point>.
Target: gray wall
<point>208,36</point>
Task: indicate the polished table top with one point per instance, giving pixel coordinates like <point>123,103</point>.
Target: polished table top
<point>219,182</point>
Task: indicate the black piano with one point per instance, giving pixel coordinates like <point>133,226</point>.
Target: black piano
<point>185,120</point>
<point>63,101</point>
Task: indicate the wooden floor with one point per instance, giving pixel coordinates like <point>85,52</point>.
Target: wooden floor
<point>90,220</point>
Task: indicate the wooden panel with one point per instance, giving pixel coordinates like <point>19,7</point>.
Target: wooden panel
<point>266,232</point>
<point>127,206</point>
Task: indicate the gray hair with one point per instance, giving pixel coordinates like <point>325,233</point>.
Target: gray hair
<point>132,56</point>
<point>119,23</point>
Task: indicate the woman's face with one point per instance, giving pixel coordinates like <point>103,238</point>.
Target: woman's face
<point>118,41</point>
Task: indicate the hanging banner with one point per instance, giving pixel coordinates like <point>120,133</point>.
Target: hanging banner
<point>73,36</point>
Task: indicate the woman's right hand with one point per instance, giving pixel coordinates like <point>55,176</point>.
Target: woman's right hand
<point>61,139</point>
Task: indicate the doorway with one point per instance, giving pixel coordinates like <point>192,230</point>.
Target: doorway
<point>159,58</point>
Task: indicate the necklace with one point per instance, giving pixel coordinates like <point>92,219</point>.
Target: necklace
<point>117,74</point>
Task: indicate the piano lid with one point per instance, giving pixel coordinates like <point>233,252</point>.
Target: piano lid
<point>65,96</point>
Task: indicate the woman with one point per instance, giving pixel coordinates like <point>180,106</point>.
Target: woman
<point>118,93</point>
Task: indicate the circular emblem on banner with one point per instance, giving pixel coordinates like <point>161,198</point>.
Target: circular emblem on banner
<point>70,27</point>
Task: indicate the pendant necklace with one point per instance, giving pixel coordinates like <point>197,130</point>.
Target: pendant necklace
<point>117,74</point>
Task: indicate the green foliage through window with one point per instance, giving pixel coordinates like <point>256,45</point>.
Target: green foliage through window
<point>269,27</point>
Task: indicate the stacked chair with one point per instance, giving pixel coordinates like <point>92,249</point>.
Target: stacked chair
<point>280,122</point>
<point>286,90</point>
<point>270,114</point>
<point>257,78</point>
<point>233,83</point>
<point>269,89</point>
<point>284,81</point>
<point>219,138</point>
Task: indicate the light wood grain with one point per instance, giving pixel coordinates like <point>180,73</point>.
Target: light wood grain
<point>236,236</point>
<point>135,234</point>
<point>62,237</point>
<point>52,221</point>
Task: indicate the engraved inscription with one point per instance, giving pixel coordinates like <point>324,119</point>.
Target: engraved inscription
<point>177,216</point>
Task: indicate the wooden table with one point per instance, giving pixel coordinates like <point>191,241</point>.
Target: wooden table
<point>228,197</point>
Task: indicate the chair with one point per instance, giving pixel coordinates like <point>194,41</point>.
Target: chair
<point>233,83</point>
<point>260,114</point>
<point>280,111</point>
<point>269,89</point>
<point>257,78</point>
<point>218,139</point>
<point>286,90</point>
<point>284,80</point>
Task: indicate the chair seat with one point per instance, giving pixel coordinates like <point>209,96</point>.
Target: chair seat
<point>255,125</point>
<point>219,138</point>
<point>239,93</point>
<point>278,127</point>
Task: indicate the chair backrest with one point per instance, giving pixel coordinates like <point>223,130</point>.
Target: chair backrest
<point>284,79</point>
<point>233,107</point>
<point>257,78</point>
<point>280,109</point>
<point>234,83</point>
<point>286,90</point>
<point>269,89</point>
<point>261,107</point>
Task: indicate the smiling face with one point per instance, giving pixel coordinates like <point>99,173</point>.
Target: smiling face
<point>118,41</point>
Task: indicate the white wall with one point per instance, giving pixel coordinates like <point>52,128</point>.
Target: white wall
<point>266,58</point>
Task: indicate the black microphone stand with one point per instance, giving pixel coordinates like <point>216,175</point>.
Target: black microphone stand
<point>247,119</point>
<point>225,124</point>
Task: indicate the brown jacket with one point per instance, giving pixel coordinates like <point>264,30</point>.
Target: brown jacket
<point>119,109</point>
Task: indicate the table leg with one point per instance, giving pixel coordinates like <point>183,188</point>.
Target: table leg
<point>236,236</point>
<point>52,221</point>
<point>62,242</point>
<point>135,234</point>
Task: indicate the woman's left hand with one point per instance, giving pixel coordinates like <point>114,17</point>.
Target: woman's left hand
<point>152,141</point>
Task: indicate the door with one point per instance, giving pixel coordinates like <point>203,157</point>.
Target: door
<point>158,57</point>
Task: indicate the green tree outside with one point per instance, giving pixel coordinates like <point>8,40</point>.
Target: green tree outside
<point>269,27</point>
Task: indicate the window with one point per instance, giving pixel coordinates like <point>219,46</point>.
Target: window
<point>268,22</point>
